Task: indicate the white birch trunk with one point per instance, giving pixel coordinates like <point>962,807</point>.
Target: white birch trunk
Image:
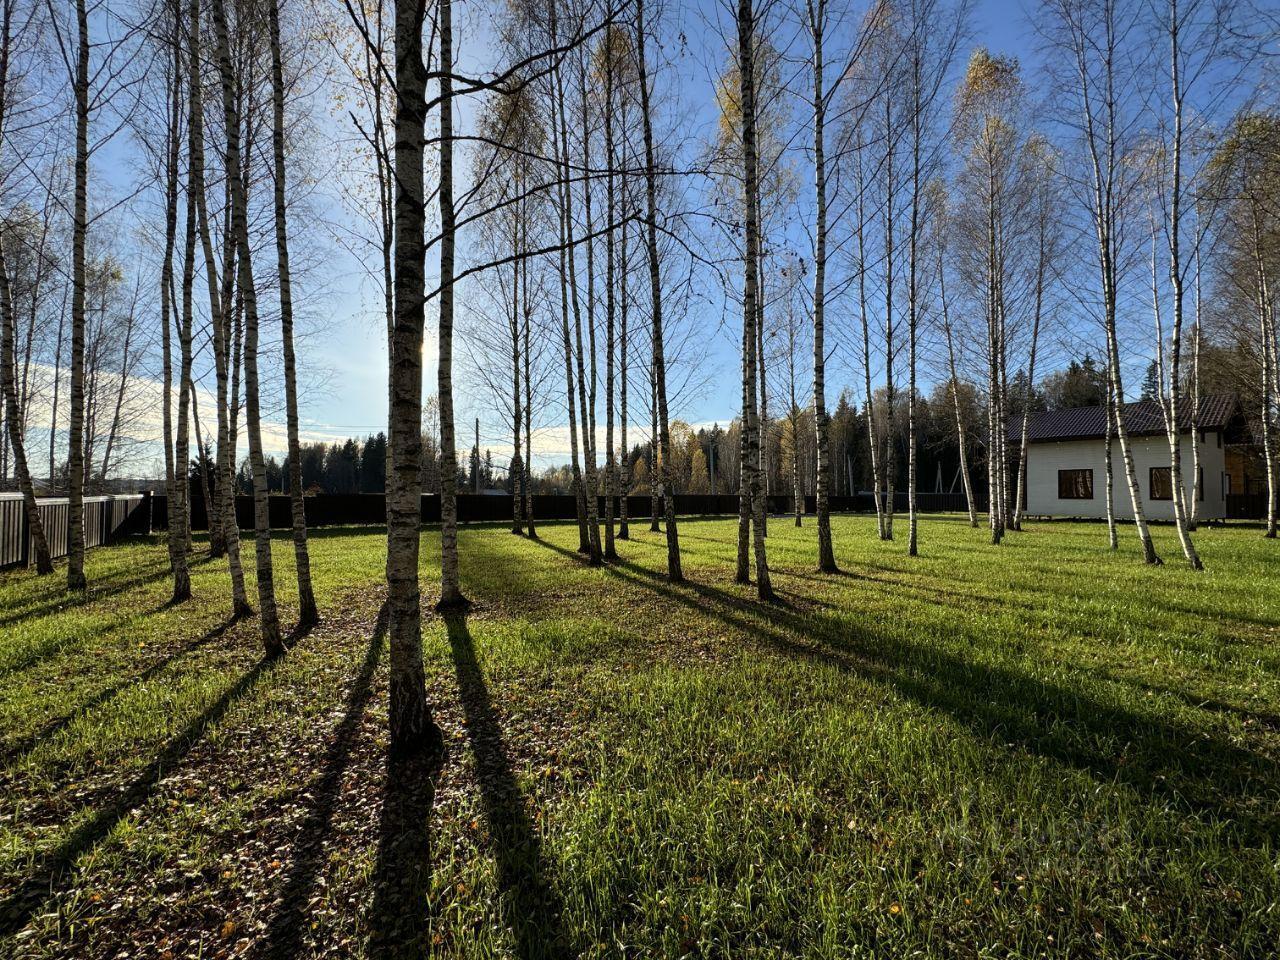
<point>675,572</point>
<point>308,614</point>
<point>268,616</point>
<point>79,227</point>
<point>817,10</point>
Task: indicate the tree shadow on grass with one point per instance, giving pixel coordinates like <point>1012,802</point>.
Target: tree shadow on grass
<point>399,919</point>
<point>65,641</point>
<point>52,871</point>
<point>102,589</point>
<point>1262,718</point>
<point>21,748</point>
<point>1206,773</point>
<point>283,938</point>
<point>532,908</point>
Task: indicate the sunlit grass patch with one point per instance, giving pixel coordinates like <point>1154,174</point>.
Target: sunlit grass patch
<point>1041,749</point>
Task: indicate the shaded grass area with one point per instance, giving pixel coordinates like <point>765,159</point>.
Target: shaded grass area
<point>1041,749</point>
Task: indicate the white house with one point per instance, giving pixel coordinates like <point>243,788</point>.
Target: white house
<point>1066,459</point>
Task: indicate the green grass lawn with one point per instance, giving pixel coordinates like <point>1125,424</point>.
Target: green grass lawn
<point>1040,749</point>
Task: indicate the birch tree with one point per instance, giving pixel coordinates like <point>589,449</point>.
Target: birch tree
<point>818,22</point>
<point>613,57</point>
<point>1194,33</point>
<point>13,417</point>
<point>861,253</point>
<point>222,519</point>
<point>179,512</point>
<point>8,324</point>
<point>308,614</point>
<point>1092,37</point>
<point>675,572</point>
<point>268,616</point>
<point>941,230</point>
<point>79,229</point>
<point>1244,170</point>
<point>412,727</point>
<point>568,292</point>
<point>1043,211</point>
<point>750,483</point>
<point>451,596</point>
<point>935,33</point>
<point>989,134</point>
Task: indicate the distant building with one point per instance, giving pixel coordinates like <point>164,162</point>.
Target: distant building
<point>1066,459</point>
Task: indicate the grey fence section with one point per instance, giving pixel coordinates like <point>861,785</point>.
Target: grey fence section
<point>370,508</point>
<point>11,529</point>
<point>106,519</point>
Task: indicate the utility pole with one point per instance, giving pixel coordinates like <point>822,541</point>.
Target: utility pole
<point>476,472</point>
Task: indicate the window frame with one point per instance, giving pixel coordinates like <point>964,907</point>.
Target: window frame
<point>1151,484</point>
<point>1087,472</point>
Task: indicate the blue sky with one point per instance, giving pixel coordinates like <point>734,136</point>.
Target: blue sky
<point>352,346</point>
<point>343,348</point>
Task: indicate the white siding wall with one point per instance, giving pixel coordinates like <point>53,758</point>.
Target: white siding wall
<point>1044,460</point>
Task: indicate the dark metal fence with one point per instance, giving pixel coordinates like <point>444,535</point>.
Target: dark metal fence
<point>106,519</point>
<point>111,517</point>
<point>1246,506</point>
<point>370,508</point>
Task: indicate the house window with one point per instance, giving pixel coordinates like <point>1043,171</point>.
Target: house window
<point>1161,483</point>
<point>1075,484</point>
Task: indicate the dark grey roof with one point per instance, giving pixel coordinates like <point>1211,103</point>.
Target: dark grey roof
<point>1143,418</point>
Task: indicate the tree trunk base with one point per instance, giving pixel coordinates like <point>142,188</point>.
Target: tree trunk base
<point>426,746</point>
<point>456,603</point>
<point>273,644</point>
